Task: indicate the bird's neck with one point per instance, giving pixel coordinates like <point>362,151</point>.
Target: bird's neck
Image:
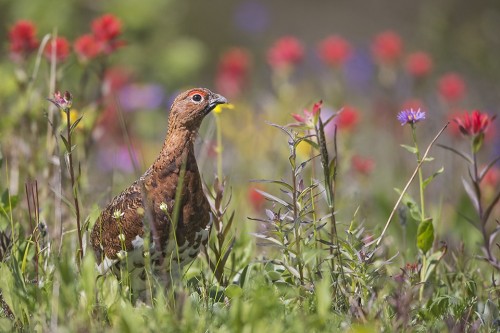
<point>178,145</point>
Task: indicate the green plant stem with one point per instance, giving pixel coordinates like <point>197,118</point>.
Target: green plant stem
<point>420,176</point>
<point>218,129</point>
<point>74,189</point>
<point>296,223</point>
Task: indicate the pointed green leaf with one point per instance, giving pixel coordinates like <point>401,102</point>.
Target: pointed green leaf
<point>428,180</point>
<point>73,126</point>
<point>425,235</point>
<point>66,143</point>
<point>411,149</point>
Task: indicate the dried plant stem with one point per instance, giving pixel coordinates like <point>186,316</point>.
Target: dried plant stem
<point>415,172</point>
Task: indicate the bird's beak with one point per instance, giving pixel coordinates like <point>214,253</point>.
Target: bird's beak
<point>216,99</point>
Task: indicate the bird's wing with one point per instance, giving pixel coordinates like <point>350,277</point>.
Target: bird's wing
<point>120,226</point>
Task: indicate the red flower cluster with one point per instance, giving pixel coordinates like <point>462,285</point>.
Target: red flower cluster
<point>256,199</point>
<point>451,87</point>
<point>310,117</point>
<point>387,47</point>
<point>23,41</point>
<point>334,51</point>
<point>60,46</point>
<point>104,38</point>
<point>232,71</point>
<point>286,52</point>
<point>492,177</point>
<point>363,165</point>
<point>419,64</point>
<point>347,118</point>
<point>474,124</point>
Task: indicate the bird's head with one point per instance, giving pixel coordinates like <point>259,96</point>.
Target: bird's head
<point>190,107</point>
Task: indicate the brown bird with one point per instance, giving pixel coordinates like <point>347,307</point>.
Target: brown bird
<point>166,203</point>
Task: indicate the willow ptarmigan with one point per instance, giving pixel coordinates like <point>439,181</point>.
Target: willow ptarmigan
<point>150,203</point>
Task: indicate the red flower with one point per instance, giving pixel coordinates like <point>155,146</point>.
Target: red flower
<point>256,199</point>
<point>347,118</point>
<point>474,124</point>
<point>310,117</point>
<point>334,51</point>
<point>492,177</point>
<point>387,47</point>
<point>451,87</point>
<point>106,30</point>
<point>22,39</point>
<point>286,52</point>
<point>419,64</point>
<point>62,49</point>
<point>232,71</point>
<point>362,165</point>
<point>86,47</point>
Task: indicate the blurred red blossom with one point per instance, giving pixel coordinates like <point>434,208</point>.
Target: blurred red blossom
<point>232,71</point>
<point>23,41</point>
<point>419,64</point>
<point>61,45</point>
<point>347,118</point>
<point>86,47</point>
<point>106,30</point>
<point>474,124</point>
<point>256,199</point>
<point>492,177</point>
<point>285,52</point>
<point>387,47</point>
<point>363,165</point>
<point>334,51</point>
<point>451,87</point>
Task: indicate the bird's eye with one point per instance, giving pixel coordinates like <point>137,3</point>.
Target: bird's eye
<point>197,97</point>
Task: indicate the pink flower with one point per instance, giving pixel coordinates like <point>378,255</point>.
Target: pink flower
<point>451,87</point>
<point>286,52</point>
<point>492,177</point>
<point>334,51</point>
<point>61,49</point>
<point>419,64</point>
<point>309,118</point>
<point>347,118</point>
<point>63,102</point>
<point>86,47</point>
<point>387,47</point>
<point>23,41</point>
<point>232,71</point>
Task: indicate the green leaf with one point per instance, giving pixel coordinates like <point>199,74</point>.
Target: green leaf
<point>66,143</point>
<point>234,291</point>
<point>428,180</point>
<point>425,235</point>
<point>477,142</point>
<point>73,126</point>
<point>411,149</point>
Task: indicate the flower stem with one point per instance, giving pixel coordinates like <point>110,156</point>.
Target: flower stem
<point>420,177</point>
<point>218,129</point>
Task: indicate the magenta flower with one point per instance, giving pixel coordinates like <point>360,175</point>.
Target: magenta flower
<point>410,116</point>
<point>63,102</point>
<point>309,118</point>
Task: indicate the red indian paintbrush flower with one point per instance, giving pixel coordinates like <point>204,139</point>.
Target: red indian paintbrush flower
<point>451,87</point>
<point>387,47</point>
<point>23,41</point>
<point>232,71</point>
<point>286,52</point>
<point>61,49</point>
<point>334,51</point>
<point>474,124</point>
<point>86,47</point>
<point>106,30</point>
<point>419,64</point>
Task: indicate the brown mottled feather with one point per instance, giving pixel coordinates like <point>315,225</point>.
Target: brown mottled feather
<point>158,185</point>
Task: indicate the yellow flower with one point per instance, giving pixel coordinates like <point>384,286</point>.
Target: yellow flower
<point>220,107</point>
<point>73,116</point>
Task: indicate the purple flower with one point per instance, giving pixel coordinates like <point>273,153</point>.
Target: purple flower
<point>63,102</point>
<point>410,116</point>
